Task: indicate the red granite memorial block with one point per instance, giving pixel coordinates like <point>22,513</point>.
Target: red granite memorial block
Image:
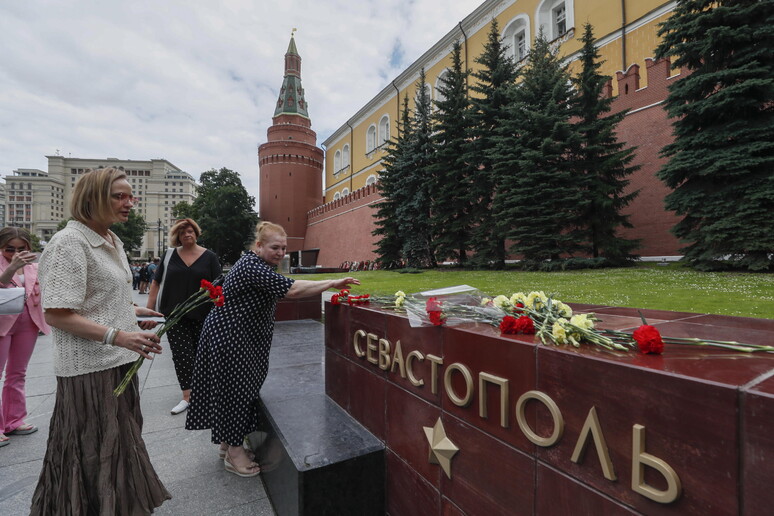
<point>488,476</point>
<point>449,509</point>
<point>337,384</point>
<point>426,340</point>
<point>689,423</point>
<point>408,494</point>
<point>337,328</point>
<point>367,398</point>
<point>295,309</point>
<point>558,494</point>
<point>489,358</point>
<point>407,414</point>
<point>758,448</point>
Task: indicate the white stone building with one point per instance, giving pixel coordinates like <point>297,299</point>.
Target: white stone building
<point>39,200</point>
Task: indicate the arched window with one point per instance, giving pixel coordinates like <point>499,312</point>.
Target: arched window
<point>516,37</point>
<point>337,161</point>
<point>336,196</point>
<point>384,130</point>
<point>345,156</point>
<point>371,139</point>
<point>345,192</point>
<point>556,17</point>
<point>440,97</point>
<point>371,180</point>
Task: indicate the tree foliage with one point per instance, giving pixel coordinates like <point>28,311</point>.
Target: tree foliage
<point>452,201</point>
<point>224,211</point>
<point>539,195</point>
<point>602,160</point>
<point>721,161</point>
<point>493,80</point>
<point>414,213</point>
<point>396,163</point>
<point>131,232</point>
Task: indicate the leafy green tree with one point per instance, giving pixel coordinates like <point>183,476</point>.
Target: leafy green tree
<point>414,214</point>
<point>393,192</point>
<point>539,195</point>
<point>131,232</point>
<point>452,202</point>
<point>183,210</point>
<point>721,161</point>
<point>603,160</point>
<point>495,77</point>
<point>224,211</point>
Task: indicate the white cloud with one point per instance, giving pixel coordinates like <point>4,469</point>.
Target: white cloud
<point>193,81</point>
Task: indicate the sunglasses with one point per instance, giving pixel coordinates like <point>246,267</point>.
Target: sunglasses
<point>15,249</point>
<point>123,197</point>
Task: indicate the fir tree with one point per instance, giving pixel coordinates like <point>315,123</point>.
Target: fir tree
<point>722,159</point>
<point>603,159</point>
<point>396,163</point>
<point>451,200</point>
<point>417,180</point>
<point>496,76</point>
<point>539,196</point>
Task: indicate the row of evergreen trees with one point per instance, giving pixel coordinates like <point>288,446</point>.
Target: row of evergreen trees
<point>532,157</point>
<point>531,160</point>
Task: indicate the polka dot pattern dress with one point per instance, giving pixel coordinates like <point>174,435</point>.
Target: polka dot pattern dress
<point>233,355</point>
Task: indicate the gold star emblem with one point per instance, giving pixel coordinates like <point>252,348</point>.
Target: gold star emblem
<point>441,448</point>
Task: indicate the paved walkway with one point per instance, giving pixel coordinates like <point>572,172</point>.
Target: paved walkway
<point>186,461</point>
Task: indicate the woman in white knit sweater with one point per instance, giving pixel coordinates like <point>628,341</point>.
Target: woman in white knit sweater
<point>96,461</point>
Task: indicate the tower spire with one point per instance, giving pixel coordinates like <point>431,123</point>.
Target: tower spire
<point>291,98</point>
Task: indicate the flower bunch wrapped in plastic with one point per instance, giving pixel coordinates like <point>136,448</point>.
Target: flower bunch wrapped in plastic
<point>207,293</point>
<point>448,307</point>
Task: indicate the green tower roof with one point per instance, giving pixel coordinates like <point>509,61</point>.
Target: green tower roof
<point>291,98</point>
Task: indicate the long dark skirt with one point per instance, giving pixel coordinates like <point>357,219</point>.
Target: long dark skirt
<point>96,461</point>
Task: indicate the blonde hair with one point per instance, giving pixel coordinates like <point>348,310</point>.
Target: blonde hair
<point>91,194</point>
<point>180,226</point>
<point>264,228</point>
<point>9,233</point>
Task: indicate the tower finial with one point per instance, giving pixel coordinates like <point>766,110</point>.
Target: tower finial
<point>292,32</point>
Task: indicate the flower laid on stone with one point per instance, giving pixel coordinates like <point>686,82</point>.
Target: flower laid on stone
<point>207,293</point>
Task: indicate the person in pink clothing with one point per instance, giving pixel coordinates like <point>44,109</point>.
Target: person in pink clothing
<point>18,332</point>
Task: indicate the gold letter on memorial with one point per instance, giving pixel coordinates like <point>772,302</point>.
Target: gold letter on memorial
<point>359,334</point>
<point>556,415</point>
<point>592,426</point>
<point>384,354</point>
<point>640,459</point>
<point>482,397</point>
<point>397,360</point>
<point>463,401</point>
<point>416,382</point>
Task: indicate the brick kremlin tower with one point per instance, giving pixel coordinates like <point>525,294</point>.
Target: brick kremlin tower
<point>290,162</point>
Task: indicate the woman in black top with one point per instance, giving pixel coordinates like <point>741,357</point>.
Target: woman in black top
<point>189,264</point>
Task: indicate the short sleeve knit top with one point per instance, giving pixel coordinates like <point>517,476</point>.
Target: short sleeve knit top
<point>79,270</point>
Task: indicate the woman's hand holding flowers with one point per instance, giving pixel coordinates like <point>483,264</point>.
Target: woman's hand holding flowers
<point>141,343</point>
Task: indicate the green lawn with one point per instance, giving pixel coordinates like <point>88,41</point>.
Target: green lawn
<point>647,286</point>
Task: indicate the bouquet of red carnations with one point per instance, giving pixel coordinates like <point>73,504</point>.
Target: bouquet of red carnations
<point>207,293</point>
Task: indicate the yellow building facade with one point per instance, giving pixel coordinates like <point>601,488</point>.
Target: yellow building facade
<point>625,32</point>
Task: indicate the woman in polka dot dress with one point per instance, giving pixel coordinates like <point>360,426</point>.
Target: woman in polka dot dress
<point>233,354</point>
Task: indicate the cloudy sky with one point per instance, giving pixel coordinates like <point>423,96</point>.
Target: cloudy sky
<point>193,81</point>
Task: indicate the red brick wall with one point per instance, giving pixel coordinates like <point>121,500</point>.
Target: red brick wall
<point>342,229</point>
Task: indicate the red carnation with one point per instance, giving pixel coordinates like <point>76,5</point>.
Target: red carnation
<point>525,325</point>
<point>508,325</point>
<point>436,317</point>
<point>220,301</point>
<point>335,299</point>
<point>206,285</point>
<point>648,339</point>
<point>344,293</point>
<point>433,305</point>
<point>511,325</point>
